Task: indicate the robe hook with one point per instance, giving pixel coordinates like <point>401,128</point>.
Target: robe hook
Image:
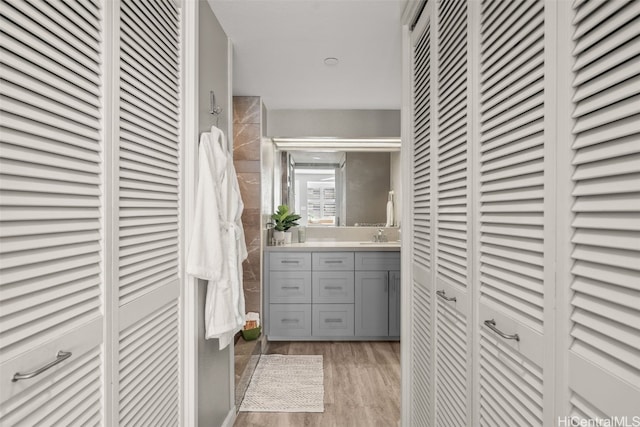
<point>213,108</point>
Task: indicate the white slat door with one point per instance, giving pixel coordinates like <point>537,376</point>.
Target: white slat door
<point>422,389</point>
<point>148,206</point>
<point>453,207</point>
<point>50,212</point>
<point>513,210</point>
<point>604,354</point>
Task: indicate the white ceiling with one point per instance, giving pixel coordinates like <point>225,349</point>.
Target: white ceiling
<point>280,46</point>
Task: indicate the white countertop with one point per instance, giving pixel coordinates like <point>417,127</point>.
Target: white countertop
<point>331,245</point>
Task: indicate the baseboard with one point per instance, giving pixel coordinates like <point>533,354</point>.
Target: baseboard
<point>231,418</point>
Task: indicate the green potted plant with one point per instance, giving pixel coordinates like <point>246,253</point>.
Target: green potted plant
<point>283,220</point>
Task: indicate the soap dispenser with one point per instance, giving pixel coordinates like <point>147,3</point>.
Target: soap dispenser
<point>390,210</point>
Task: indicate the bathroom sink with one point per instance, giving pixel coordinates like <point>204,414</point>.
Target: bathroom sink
<point>380,243</point>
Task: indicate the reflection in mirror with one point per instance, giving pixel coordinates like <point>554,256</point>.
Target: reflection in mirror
<point>339,188</point>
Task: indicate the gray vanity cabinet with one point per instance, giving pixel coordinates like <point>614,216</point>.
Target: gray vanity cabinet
<point>377,301</point>
<point>289,287</point>
<point>332,295</point>
<point>394,303</point>
<point>372,303</point>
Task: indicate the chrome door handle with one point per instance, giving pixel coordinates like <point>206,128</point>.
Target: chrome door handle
<point>442,295</point>
<point>491,324</point>
<point>60,357</point>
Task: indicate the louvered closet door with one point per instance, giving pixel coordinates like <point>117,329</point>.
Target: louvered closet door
<point>50,212</point>
<point>453,248</point>
<point>604,356</point>
<point>512,257</point>
<point>422,390</point>
<point>148,223</point>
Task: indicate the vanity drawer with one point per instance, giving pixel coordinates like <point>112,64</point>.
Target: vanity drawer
<point>332,261</point>
<point>287,261</point>
<point>367,261</point>
<point>333,320</point>
<point>290,287</point>
<point>333,287</point>
<point>290,320</point>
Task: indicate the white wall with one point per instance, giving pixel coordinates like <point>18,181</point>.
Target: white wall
<point>342,123</point>
<point>214,366</point>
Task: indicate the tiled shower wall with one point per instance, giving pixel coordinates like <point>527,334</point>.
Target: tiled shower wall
<point>246,159</point>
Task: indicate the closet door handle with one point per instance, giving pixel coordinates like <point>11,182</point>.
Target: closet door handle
<point>442,295</point>
<point>491,324</point>
<point>60,357</point>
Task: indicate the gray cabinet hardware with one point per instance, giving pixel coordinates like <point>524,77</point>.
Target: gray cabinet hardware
<point>60,357</point>
<point>491,324</point>
<point>442,295</point>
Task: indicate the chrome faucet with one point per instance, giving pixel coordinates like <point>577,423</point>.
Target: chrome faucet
<point>380,237</point>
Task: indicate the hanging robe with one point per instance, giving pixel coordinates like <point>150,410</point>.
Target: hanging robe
<point>217,248</point>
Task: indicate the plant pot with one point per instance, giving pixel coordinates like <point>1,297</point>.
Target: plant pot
<point>251,334</point>
<point>287,237</point>
<point>278,237</point>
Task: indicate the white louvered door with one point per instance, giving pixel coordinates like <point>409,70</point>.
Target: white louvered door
<point>422,336</point>
<point>50,212</point>
<point>76,208</point>
<point>453,248</point>
<point>148,207</point>
<point>605,304</point>
<point>533,220</point>
<point>515,204</point>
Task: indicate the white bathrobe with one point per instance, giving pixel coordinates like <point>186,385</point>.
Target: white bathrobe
<point>217,246</point>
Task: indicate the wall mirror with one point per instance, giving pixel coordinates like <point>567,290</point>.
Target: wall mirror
<point>339,185</point>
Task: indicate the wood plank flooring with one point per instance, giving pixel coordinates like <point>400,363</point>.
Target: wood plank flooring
<point>361,386</point>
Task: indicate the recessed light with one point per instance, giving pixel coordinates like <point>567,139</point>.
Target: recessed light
<point>331,61</point>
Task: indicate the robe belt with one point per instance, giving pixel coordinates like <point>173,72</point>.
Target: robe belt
<point>232,226</point>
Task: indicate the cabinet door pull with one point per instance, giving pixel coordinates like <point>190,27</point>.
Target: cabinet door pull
<point>442,295</point>
<point>333,287</point>
<point>330,261</point>
<point>290,287</point>
<point>60,357</point>
<point>290,320</point>
<point>332,320</point>
<point>491,324</point>
<point>290,261</point>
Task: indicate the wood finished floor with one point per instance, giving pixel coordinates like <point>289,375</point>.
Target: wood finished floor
<point>361,386</point>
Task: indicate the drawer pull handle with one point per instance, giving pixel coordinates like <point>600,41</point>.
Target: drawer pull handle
<point>442,295</point>
<point>290,320</point>
<point>329,261</point>
<point>291,287</point>
<point>290,261</point>
<point>333,287</point>
<point>491,324</point>
<point>60,357</point>
<point>332,320</point>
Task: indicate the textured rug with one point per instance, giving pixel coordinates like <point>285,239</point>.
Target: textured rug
<point>283,383</point>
